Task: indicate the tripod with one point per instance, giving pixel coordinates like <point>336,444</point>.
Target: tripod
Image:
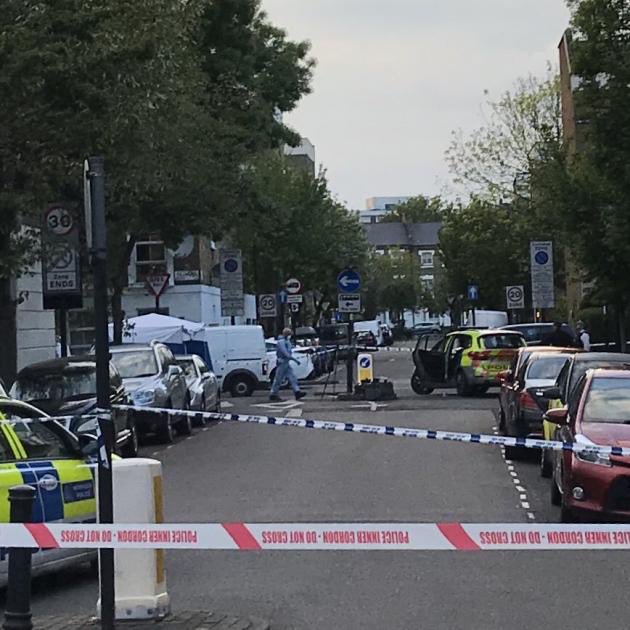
<point>334,383</point>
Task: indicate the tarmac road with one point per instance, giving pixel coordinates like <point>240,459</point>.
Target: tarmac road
<point>239,472</point>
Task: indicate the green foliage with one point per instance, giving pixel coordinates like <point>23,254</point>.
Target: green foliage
<point>394,283</point>
<point>292,226</point>
<point>418,209</point>
<point>495,161</point>
<point>483,243</point>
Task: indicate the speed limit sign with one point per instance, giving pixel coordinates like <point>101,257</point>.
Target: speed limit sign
<point>59,221</point>
<point>515,297</point>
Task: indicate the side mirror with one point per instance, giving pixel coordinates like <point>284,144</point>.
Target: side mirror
<point>88,443</point>
<point>552,393</point>
<point>560,415</point>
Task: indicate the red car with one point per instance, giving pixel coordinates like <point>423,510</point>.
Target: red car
<point>594,487</point>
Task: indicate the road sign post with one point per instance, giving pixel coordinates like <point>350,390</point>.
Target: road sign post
<point>232,302</point>
<point>542,270</point>
<point>96,174</point>
<point>157,285</point>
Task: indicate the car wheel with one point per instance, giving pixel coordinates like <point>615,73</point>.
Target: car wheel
<point>502,422</point>
<point>556,495</point>
<point>130,449</point>
<point>217,406</point>
<point>241,386</point>
<point>514,453</point>
<point>418,386</point>
<point>199,421</point>
<point>546,467</point>
<point>566,515</point>
<point>463,389</point>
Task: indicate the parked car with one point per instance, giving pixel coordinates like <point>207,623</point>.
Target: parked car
<point>469,360</point>
<point>43,454</point>
<point>559,395</point>
<point>522,403</point>
<point>302,371</point>
<point>67,387</point>
<point>535,333</point>
<point>306,336</point>
<point>388,337</point>
<point>372,326</point>
<point>154,380</point>
<point>593,486</point>
<point>424,328</point>
<point>238,357</point>
<point>203,387</point>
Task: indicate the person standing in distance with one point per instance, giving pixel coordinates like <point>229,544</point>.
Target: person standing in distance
<point>284,352</point>
<point>583,336</point>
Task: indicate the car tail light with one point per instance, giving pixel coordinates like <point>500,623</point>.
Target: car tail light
<point>480,356</point>
<point>527,401</point>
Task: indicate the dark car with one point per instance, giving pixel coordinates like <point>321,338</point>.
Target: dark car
<point>522,401</point>
<point>535,333</point>
<point>594,486</point>
<point>67,387</point>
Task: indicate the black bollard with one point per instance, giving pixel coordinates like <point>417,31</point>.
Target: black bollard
<point>17,613</point>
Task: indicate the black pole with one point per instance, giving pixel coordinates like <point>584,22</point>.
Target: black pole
<point>157,303</point>
<point>105,493</point>
<point>351,358</point>
<point>17,612</point>
<point>63,329</point>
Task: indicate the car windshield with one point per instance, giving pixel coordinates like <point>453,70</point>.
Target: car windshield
<point>135,364</point>
<point>66,385</point>
<point>608,401</point>
<point>580,368</point>
<point>188,366</point>
<point>501,341</point>
<point>546,368</point>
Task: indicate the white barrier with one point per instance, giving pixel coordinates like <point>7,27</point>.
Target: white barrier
<point>139,573</point>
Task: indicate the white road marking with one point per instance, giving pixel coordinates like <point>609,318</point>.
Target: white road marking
<point>521,489</point>
<point>531,516</point>
<point>225,404</point>
<point>295,413</point>
<point>205,429</point>
<point>154,453</point>
<point>171,446</point>
<point>281,406</point>
<point>523,497</point>
<point>513,473</point>
<point>525,504</point>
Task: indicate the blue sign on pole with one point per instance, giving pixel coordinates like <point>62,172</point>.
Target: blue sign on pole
<point>349,281</point>
<point>473,292</point>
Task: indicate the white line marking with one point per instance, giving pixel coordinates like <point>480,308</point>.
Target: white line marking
<point>516,480</point>
<point>295,413</point>
<point>531,515</point>
<point>171,446</point>
<point>205,429</point>
<point>525,505</point>
<point>521,489</point>
<point>513,473</point>
<point>225,404</point>
<point>523,497</point>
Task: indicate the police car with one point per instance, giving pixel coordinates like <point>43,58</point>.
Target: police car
<point>41,453</point>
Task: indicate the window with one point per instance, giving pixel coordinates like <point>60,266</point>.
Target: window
<point>501,342</point>
<point>428,283</point>
<point>546,368</point>
<point>201,366</point>
<point>188,366</point>
<point>136,364</point>
<point>150,256</point>
<point>426,258</point>
<point>608,401</point>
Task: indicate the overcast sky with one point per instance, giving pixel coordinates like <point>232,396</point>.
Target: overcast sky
<point>395,77</point>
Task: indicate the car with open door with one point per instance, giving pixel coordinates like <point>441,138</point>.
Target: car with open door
<point>593,486</point>
<point>468,360</point>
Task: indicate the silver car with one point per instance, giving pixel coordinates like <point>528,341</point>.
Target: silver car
<point>203,386</point>
<point>154,380</point>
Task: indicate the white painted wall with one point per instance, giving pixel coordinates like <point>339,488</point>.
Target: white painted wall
<point>36,339</point>
<point>194,302</point>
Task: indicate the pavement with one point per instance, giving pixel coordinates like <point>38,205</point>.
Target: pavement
<point>240,472</point>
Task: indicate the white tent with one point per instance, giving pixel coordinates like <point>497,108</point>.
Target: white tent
<point>154,327</point>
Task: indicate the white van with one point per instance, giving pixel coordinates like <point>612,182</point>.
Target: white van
<point>238,355</point>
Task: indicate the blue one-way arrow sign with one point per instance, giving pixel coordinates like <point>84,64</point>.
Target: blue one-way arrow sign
<point>348,281</point>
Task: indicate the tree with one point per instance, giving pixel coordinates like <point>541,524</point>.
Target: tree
<point>292,226</point>
<point>495,162</point>
<point>419,209</point>
<point>482,243</point>
<point>596,208</point>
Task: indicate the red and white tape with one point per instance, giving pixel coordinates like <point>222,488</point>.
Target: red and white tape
<point>319,536</point>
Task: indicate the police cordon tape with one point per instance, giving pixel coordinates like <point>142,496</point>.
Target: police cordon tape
<point>374,429</point>
<point>318,536</point>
